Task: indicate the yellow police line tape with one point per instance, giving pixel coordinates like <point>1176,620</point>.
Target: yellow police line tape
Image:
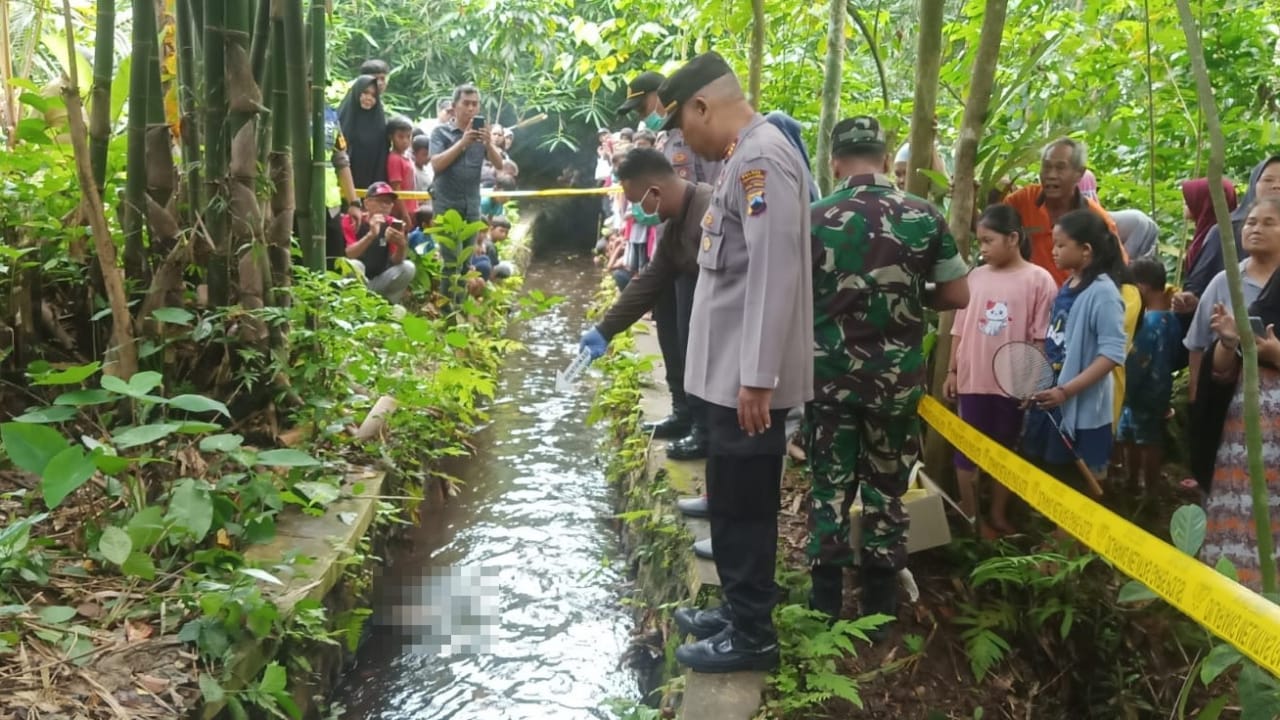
<point>556,192</point>
<point>1231,611</point>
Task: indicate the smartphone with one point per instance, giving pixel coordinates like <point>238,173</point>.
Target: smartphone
<point>1255,323</point>
<point>396,222</point>
<point>477,122</point>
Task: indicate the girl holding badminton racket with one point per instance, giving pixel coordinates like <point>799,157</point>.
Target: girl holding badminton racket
<point>1071,434</point>
<point>1009,301</point>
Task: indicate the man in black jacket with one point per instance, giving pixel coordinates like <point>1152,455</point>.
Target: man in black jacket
<point>650,182</point>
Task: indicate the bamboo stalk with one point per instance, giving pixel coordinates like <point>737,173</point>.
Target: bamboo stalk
<point>215,158</point>
<point>831,83</point>
<point>135,188</point>
<point>923,113</point>
<point>261,41</point>
<point>104,46</point>
<point>1231,262</point>
<point>122,357</point>
<point>314,246</point>
<point>299,136</point>
<point>6,74</point>
<point>190,125</point>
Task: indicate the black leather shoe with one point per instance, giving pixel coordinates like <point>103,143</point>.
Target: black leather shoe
<point>879,597</point>
<point>702,549</point>
<point>702,624</point>
<point>731,650</point>
<point>827,593</point>
<point>693,507</point>
<point>670,427</point>
<point>690,447</point>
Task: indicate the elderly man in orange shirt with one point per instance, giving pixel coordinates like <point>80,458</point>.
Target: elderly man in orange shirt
<point>1062,164</point>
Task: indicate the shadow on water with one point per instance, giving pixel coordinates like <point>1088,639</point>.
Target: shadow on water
<point>506,605</point>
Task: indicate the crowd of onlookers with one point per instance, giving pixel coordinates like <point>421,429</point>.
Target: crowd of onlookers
<point>452,156</point>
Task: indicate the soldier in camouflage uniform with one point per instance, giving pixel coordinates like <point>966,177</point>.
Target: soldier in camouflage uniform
<point>876,251</point>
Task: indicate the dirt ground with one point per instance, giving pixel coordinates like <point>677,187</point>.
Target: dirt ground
<point>936,682</point>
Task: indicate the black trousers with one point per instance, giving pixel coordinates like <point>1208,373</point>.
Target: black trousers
<point>744,492</point>
<point>666,317</point>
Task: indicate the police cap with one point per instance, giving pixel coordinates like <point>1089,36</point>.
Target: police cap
<point>640,85</point>
<point>687,81</point>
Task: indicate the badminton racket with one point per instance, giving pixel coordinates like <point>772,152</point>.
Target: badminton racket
<point>1022,370</point>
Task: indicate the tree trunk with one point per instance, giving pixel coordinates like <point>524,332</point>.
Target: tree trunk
<point>215,158</point>
<point>135,189</point>
<point>295,47</point>
<point>830,92</point>
<point>963,201</point>
<point>314,257</point>
<point>10,107</point>
<point>122,356</point>
<point>875,52</point>
<point>924,111</point>
<point>280,230</point>
<point>757,52</point>
<point>189,124</point>
<point>1230,260</point>
<point>104,46</point>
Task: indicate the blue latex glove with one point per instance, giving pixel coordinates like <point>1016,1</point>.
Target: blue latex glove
<point>593,341</point>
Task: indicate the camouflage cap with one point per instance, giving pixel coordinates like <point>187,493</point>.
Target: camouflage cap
<point>862,132</point>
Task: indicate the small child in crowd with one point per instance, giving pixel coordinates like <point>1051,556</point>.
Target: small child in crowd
<point>1009,301</point>
<point>494,205</point>
<point>644,139</point>
<point>423,173</point>
<point>400,174</point>
<point>423,242</point>
<point>1149,372</point>
<point>1085,342</point>
<point>485,256</point>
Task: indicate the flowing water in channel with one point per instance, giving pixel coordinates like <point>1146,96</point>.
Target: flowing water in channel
<point>525,546</point>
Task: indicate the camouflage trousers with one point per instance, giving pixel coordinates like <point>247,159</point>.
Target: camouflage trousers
<point>847,448</point>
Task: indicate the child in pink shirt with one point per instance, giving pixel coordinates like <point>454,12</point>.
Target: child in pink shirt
<point>400,172</point>
<point>1009,301</point>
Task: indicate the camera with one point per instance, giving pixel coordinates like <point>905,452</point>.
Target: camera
<point>477,122</point>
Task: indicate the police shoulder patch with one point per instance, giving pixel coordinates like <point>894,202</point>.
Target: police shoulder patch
<point>680,158</point>
<point>753,182</point>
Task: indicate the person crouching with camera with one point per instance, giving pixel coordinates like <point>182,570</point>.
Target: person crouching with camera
<point>377,247</point>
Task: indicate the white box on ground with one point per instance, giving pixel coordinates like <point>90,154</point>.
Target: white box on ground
<point>923,502</point>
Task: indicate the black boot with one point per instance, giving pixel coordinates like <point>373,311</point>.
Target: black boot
<point>690,447</point>
<point>675,425</point>
<point>827,594</point>
<point>702,624</point>
<point>732,650</point>
<point>879,597</point>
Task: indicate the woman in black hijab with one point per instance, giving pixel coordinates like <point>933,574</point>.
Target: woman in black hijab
<point>364,126</point>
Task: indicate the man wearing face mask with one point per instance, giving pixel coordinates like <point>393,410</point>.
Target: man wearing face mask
<point>686,425</point>
<point>658,193</point>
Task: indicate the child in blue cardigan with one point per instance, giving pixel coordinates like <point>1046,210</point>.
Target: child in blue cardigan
<point>1085,341</point>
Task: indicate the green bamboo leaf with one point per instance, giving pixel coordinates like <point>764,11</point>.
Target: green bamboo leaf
<point>211,690</point>
<point>56,614</point>
<point>286,457</point>
<point>143,434</point>
<point>68,376</point>
<point>173,315</point>
<point>191,508</point>
<point>31,447</point>
<point>1218,661</point>
<point>262,575</point>
<point>51,414</point>
<point>115,545</point>
<point>81,398</point>
<point>139,565</point>
<point>1188,528</point>
<point>64,474</point>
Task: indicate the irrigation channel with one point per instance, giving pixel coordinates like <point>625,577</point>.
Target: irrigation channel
<point>506,604</point>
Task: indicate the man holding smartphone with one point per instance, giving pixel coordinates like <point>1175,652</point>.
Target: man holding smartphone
<point>458,151</point>
<point>377,247</point>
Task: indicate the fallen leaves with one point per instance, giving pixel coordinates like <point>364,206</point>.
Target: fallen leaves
<point>137,630</point>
